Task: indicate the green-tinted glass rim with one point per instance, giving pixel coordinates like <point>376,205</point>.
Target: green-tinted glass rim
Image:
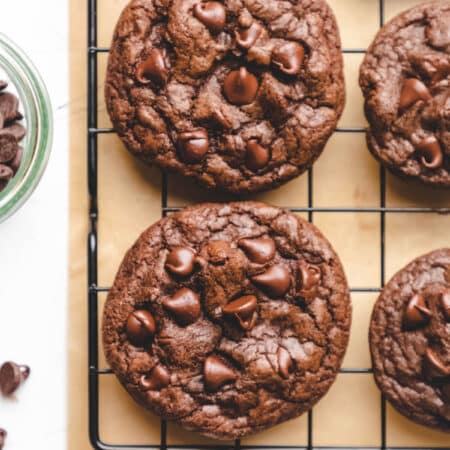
<point>39,122</point>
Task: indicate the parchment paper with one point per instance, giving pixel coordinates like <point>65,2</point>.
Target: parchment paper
<point>345,176</point>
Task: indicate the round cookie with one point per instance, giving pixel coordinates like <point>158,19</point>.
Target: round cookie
<point>410,340</point>
<point>228,318</point>
<point>238,95</point>
<point>405,78</point>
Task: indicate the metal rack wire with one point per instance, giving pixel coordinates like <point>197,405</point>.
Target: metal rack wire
<point>92,245</point>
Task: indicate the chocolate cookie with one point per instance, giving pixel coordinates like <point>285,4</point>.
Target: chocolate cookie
<point>410,340</point>
<point>405,79</point>
<point>228,318</point>
<point>239,95</point>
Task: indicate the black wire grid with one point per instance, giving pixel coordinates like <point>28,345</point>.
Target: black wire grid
<point>93,289</point>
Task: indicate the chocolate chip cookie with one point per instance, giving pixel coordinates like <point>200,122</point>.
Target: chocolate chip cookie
<point>410,340</point>
<point>228,318</point>
<point>405,79</point>
<point>238,95</point>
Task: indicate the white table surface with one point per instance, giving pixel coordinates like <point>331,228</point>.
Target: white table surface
<point>33,255</point>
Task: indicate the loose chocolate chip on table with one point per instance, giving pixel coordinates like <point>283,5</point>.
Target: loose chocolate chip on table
<point>6,173</point>
<point>417,313</point>
<point>310,276</point>
<point>445,302</point>
<point>246,37</point>
<point>240,87</point>
<point>413,90</point>
<point>153,68</point>
<point>243,309</point>
<point>12,375</point>
<point>8,147</point>
<point>181,261</point>
<point>158,378</point>
<point>141,326</point>
<point>217,372</point>
<point>431,152</point>
<point>3,435</point>
<point>193,145</point>
<point>284,362</point>
<point>184,305</point>
<point>435,367</point>
<point>275,282</point>
<point>289,58</point>
<point>212,15</point>
<point>259,250</point>
<point>256,156</point>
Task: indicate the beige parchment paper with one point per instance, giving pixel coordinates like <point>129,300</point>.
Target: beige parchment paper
<point>345,176</point>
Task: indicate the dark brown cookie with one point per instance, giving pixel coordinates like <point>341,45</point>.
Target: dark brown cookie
<point>239,95</point>
<point>228,318</point>
<point>410,340</point>
<point>405,79</point>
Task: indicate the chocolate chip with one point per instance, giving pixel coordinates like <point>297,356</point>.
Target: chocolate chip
<point>211,14</point>
<point>216,373</point>
<point>158,378</point>
<point>153,68</point>
<point>284,362</point>
<point>289,58</point>
<point>275,282</point>
<point>310,276</point>
<point>3,435</point>
<point>256,156</point>
<point>445,302</point>
<point>413,90</point>
<point>416,313</point>
<point>240,87</point>
<point>12,375</point>
<point>259,250</point>
<point>193,145</point>
<point>141,327</point>
<point>16,129</point>
<point>9,108</point>
<point>3,85</point>
<point>431,152</point>
<point>17,161</point>
<point>181,261</point>
<point>246,37</point>
<point>8,147</point>
<point>6,173</point>
<point>435,367</point>
<point>243,310</point>
<point>184,305</point>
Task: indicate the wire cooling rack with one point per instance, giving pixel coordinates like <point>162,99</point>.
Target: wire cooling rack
<point>93,289</point>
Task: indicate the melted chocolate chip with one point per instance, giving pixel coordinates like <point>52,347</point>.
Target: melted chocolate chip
<point>431,152</point>
<point>158,378</point>
<point>256,156</point>
<point>246,37</point>
<point>193,145</point>
<point>211,14</point>
<point>416,313</point>
<point>310,276</point>
<point>435,367</point>
<point>184,305</point>
<point>259,250</point>
<point>413,90</point>
<point>153,68</point>
<point>216,373</point>
<point>275,282</point>
<point>445,302</point>
<point>284,362</point>
<point>141,327</point>
<point>12,375</point>
<point>289,58</point>
<point>181,261</point>
<point>240,87</point>
<point>243,310</point>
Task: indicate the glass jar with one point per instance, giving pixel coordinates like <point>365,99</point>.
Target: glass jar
<point>25,82</point>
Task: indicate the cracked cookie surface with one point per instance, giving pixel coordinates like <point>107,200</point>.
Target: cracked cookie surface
<point>228,318</point>
<point>410,340</point>
<point>241,95</point>
<point>405,78</point>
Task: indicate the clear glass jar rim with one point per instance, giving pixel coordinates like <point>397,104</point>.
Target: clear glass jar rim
<point>29,82</point>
